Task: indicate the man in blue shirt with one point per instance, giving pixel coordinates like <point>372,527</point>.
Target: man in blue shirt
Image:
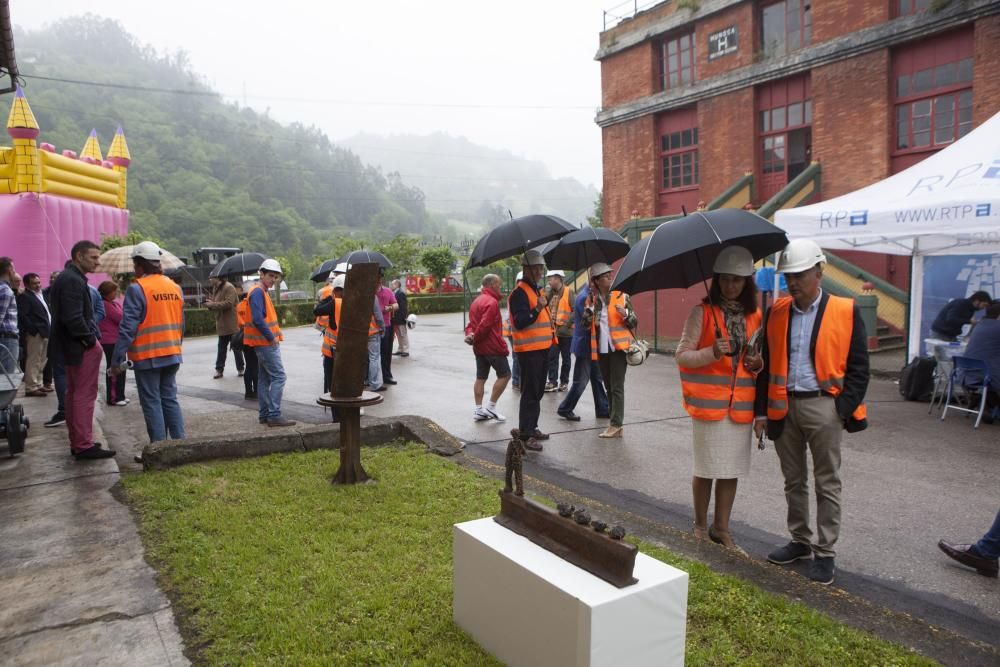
<point>585,369</point>
<point>271,372</point>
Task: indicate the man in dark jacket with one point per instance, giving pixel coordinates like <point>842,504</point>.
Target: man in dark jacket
<point>812,387</point>
<point>533,335</point>
<point>399,320</point>
<point>484,333</point>
<point>74,344</point>
<point>584,370</point>
<point>957,313</point>
<point>34,321</point>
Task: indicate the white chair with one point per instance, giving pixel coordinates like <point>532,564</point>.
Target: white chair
<point>971,378</point>
<point>942,373</point>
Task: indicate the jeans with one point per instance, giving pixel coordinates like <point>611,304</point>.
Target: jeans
<point>220,356</point>
<point>989,545</point>
<point>158,398</point>
<point>533,366</point>
<point>374,378</point>
<point>386,353</point>
<point>613,367</point>
<point>81,393</point>
<point>8,359</point>
<point>114,384</point>
<point>556,352</point>
<point>59,379</point>
<point>252,370</point>
<point>270,382</point>
<point>586,370</point>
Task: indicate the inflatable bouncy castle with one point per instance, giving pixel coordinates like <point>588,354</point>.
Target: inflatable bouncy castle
<point>49,201</point>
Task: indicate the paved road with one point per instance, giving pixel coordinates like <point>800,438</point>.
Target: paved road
<point>908,481</point>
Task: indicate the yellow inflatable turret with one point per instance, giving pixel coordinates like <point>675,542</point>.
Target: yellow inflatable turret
<point>25,174</point>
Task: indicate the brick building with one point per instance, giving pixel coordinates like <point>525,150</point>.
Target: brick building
<point>713,100</point>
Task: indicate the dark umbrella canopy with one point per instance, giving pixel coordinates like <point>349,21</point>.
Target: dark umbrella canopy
<point>239,265</point>
<point>518,236</point>
<point>365,257</point>
<point>323,272</point>
<point>680,253</point>
<point>578,250</point>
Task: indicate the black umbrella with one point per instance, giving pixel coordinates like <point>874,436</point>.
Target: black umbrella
<point>323,272</point>
<point>239,265</point>
<point>578,250</point>
<point>680,253</point>
<point>517,236</point>
<point>366,257</point>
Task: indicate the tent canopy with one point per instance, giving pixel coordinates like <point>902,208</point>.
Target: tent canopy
<point>948,204</point>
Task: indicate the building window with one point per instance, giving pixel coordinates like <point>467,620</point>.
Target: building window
<point>785,26</point>
<point>933,93</point>
<point>677,61</point>
<point>906,7</point>
<point>679,159</point>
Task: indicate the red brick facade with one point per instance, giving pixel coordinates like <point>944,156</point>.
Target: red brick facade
<point>630,167</point>
<point>986,73</point>
<point>833,19</point>
<point>726,130</point>
<point>740,16</point>
<point>629,75</point>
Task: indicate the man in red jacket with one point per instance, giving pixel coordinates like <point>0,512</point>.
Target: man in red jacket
<point>485,334</point>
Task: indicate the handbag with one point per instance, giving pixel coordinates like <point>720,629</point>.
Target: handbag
<point>638,349</point>
<point>236,342</point>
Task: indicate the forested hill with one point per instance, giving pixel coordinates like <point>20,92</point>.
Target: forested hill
<point>205,172</point>
<point>471,182</point>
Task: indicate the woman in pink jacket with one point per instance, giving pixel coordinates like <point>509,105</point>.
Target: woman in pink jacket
<point>109,336</point>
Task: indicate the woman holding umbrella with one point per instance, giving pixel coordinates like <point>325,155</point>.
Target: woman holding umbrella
<point>717,368</point>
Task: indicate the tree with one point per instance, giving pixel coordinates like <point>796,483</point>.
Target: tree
<point>597,219</point>
<point>438,262</point>
<point>111,241</point>
<point>403,251</point>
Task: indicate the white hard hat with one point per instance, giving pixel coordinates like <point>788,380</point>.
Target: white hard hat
<point>555,272</point>
<point>271,265</point>
<point>800,255</point>
<point>342,267</point>
<point>520,275</point>
<point>148,251</point>
<point>734,260</point>
<point>599,269</point>
<point>411,321</point>
<point>532,258</point>
<point>338,281</point>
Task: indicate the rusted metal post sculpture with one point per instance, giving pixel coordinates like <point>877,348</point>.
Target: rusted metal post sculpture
<point>347,392</point>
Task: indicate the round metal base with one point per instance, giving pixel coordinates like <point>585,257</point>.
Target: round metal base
<point>364,400</point>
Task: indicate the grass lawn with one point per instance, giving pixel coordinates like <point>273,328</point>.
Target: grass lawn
<point>270,564</point>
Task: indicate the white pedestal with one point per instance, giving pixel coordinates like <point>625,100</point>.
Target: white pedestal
<point>527,606</point>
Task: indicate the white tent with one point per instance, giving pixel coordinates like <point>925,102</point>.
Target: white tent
<point>948,204</point>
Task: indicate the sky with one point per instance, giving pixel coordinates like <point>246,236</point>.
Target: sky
<point>517,75</point>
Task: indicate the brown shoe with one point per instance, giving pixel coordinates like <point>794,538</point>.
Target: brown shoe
<point>48,389</point>
<point>36,393</point>
<point>281,421</point>
<point>218,374</point>
<point>533,445</point>
<point>966,555</point>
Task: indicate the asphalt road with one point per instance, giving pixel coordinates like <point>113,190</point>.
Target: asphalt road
<point>909,480</point>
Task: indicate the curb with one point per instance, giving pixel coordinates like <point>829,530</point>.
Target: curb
<point>172,453</point>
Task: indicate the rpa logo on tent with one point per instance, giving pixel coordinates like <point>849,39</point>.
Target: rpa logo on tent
<point>834,219</point>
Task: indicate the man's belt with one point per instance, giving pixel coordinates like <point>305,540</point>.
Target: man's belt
<point>808,394</point>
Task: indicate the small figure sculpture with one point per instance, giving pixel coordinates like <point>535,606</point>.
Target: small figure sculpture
<point>598,526</point>
<point>565,510</point>
<point>617,533</point>
<point>512,464</point>
<point>582,517</point>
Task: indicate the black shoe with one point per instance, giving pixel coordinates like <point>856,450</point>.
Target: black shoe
<point>94,452</point>
<point>58,419</point>
<point>261,420</point>
<point>967,555</point>
<point>538,435</point>
<point>390,381</point>
<point>397,354</point>
<point>404,354</point>
<point>382,388</point>
<point>280,421</point>
<point>821,570</point>
<point>250,396</point>
<point>790,553</point>
<point>603,416</point>
<point>569,415</point>
<point>137,458</point>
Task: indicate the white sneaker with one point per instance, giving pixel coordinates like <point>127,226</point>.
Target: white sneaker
<point>481,414</point>
<point>122,402</point>
<point>494,414</point>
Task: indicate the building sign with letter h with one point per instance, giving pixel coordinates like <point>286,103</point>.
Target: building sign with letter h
<point>723,43</point>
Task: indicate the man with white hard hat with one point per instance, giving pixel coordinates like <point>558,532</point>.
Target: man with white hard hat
<point>264,335</point>
<point>531,329</point>
<point>811,389</point>
<point>151,333</point>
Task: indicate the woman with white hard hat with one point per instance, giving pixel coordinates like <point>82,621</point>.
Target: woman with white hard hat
<point>718,359</point>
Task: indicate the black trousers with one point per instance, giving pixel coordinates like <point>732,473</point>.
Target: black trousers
<point>115,383</point>
<point>385,351</point>
<point>557,352</point>
<point>533,368</point>
<point>250,376</point>
<point>327,381</point>
<point>220,356</point>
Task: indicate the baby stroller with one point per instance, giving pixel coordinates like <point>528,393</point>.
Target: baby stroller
<point>13,423</point>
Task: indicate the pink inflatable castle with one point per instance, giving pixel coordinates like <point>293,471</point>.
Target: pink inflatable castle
<point>50,201</point>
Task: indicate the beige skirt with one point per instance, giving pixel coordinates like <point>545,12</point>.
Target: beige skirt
<point>721,448</point>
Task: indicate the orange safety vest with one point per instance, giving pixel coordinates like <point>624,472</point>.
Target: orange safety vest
<point>539,335</point>
<point>505,330</point>
<point>160,333</point>
<point>330,335</point>
<point>252,336</point>
<point>322,320</point>
<point>565,310</point>
<point>621,337</point>
<point>713,391</point>
<point>833,343</point>
<point>243,312</point>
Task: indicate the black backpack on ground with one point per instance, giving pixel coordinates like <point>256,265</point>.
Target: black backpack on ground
<point>916,380</point>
